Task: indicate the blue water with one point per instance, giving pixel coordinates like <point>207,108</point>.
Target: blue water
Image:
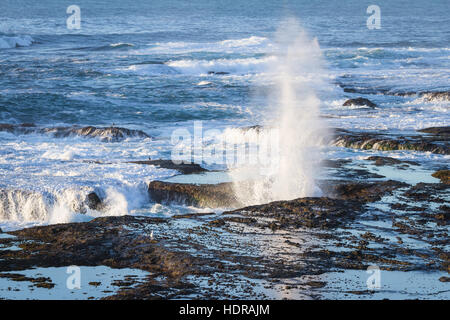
<point>146,65</point>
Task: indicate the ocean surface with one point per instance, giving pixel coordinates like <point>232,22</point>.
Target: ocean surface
<point>157,66</point>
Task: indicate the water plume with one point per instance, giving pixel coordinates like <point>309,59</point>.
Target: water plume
<point>295,76</point>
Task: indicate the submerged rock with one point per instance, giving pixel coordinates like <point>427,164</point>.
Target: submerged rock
<point>184,168</point>
<point>443,175</point>
<point>383,161</point>
<point>359,102</point>
<point>207,195</point>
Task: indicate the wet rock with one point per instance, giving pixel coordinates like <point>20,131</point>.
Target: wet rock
<point>23,128</point>
<point>218,72</point>
<point>383,161</point>
<point>208,195</point>
<point>444,279</point>
<point>40,282</point>
<point>428,192</point>
<point>444,131</point>
<point>110,134</point>
<point>303,212</point>
<point>102,241</point>
<point>443,175</point>
<point>436,96</point>
<point>363,191</point>
<point>184,168</point>
<point>94,202</point>
<point>359,102</point>
<point>378,141</point>
<point>339,163</point>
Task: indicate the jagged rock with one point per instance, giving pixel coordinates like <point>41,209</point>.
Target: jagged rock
<point>94,202</point>
<point>445,131</point>
<point>303,212</point>
<point>436,95</point>
<point>377,141</point>
<point>359,102</point>
<point>207,195</point>
<point>363,191</point>
<point>104,133</point>
<point>218,72</point>
<point>443,175</point>
<point>184,168</point>
<point>82,244</point>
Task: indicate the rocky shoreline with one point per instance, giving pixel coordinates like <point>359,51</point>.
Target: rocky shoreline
<point>284,249</point>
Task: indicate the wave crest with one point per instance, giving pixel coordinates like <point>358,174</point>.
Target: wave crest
<point>15,41</point>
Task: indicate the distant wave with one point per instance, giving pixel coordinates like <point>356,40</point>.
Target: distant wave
<point>242,66</point>
<point>8,42</point>
<point>252,44</point>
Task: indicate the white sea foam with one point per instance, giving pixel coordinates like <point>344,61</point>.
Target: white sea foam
<point>253,44</point>
<point>203,67</point>
<point>46,180</point>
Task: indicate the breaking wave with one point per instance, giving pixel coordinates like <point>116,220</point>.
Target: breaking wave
<point>7,42</point>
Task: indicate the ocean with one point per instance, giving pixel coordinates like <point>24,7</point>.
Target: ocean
<point>158,66</point>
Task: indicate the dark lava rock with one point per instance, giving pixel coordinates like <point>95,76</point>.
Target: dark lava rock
<point>94,202</point>
<point>184,168</point>
<point>359,102</point>
<point>303,212</point>
<point>377,141</point>
<point>218,72</point>
<point>364,191</point>
<point>339,163</point>
<point>428,192</point>
<point>443,175</point>
<point>383,161</point>
<point>108,241</point>
<point>444,131</point>
<point>105,134</point>
<point>436,95</point>
<point>203,195</point>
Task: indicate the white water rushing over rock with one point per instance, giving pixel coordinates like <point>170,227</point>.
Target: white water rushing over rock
<point>295,73</point>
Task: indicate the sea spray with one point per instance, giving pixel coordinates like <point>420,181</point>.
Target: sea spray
<point>50,206</point>
<point>296,73</point>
